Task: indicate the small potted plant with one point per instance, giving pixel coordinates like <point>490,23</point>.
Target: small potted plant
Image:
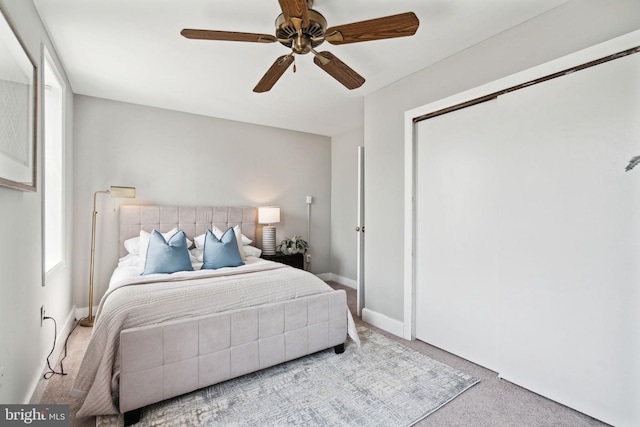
<point>293,246</point>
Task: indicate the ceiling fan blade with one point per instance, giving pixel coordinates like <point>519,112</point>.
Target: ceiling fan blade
<point>295,11</point>
<point>339,70</point>
<point>227,36</point>
<point>402,25</point>
<point>274,73</point>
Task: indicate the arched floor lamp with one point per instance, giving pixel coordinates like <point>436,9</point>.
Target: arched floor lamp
<point>113,191</point>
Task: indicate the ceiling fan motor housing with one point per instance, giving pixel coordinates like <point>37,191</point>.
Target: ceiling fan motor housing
<point>312,35</point>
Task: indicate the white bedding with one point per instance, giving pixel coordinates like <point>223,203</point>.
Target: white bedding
<point>133,300</point>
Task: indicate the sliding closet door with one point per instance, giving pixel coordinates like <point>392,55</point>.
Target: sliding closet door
<point>528,237</point>
<point>456,240</point>
<point>570,218</point>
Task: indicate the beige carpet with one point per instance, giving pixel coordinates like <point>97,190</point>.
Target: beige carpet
<point>58,387</point>
<point>491,403</point>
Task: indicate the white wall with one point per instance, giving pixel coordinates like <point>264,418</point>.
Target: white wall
<point>185,159</point>
<point>344,204</point>
<point>568,28</point>
<point>25,344</point>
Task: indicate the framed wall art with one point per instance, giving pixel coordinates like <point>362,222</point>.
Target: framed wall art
<point>18,110</point>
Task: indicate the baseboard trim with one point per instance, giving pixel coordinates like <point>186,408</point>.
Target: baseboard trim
<point>350,283</point>
<point>324,276</point>
<point>381,321</point>
<point>82,312</point>
<point>38,388</point>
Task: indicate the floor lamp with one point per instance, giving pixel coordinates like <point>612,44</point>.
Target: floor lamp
<point>269,215</point>
<point>113,191</point>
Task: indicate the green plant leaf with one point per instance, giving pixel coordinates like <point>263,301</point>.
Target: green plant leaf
<point>296,242</point>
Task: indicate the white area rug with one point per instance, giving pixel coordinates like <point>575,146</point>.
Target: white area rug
<point>382,383</point>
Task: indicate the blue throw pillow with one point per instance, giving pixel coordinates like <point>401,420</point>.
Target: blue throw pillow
<point>221,252</point>
<point>167,257</point>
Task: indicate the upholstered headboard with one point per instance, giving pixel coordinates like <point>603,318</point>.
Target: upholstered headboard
<point>193,220</point>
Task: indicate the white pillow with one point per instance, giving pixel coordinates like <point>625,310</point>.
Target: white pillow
<point>252,251</point>
<point>197,254</point>
<point>199,241</point>
<point>144,244</point>
<point>132,245</point>
<point>245,240</point>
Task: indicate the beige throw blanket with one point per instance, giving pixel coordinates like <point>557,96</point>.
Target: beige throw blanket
<point>145,300</point>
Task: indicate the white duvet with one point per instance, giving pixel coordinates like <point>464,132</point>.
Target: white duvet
<point>133,300</point>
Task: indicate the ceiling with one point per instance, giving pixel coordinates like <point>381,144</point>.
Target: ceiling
<point>132,51</point>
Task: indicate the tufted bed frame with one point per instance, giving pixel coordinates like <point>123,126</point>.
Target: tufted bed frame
<point>168,359</point>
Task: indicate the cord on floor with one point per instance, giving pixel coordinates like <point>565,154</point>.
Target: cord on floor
<point>51,372</point>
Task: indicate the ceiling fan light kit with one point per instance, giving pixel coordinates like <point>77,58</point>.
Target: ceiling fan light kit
<point>302,29</point>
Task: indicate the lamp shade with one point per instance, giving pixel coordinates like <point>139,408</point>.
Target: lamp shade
<point>123,192</point>
<point>268,215</point>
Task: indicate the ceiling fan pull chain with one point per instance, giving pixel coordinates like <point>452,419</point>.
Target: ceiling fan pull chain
<point>294,64</point>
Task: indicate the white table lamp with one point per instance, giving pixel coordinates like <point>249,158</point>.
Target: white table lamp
<point>269,215</point>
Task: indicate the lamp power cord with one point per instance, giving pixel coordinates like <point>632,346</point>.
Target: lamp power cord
<point>51,372</point>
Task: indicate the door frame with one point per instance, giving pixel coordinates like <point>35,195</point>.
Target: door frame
<point>360,231</point>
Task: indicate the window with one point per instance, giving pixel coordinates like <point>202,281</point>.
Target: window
<point>53,165</point>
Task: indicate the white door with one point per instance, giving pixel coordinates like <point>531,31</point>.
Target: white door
<point>528,239</point>
<point>456,218</point>
<point>360,231</point>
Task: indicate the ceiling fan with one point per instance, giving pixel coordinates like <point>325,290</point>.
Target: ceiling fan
<point>302,29</point>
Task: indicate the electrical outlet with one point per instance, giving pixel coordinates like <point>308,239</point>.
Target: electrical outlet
<point>308,258</point>
<point>41,315</point>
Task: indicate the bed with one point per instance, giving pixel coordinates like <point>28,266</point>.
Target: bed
<point>157,336</point>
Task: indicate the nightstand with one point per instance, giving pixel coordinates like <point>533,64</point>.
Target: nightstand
<point>295,260</point>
